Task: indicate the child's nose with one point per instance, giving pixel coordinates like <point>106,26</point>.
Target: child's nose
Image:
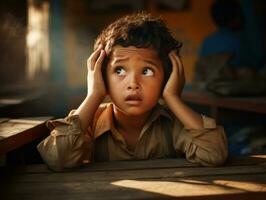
<point>133,86</point>
<point>133,82</point>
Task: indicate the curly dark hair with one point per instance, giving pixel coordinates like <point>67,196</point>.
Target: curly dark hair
<point>140,30</point>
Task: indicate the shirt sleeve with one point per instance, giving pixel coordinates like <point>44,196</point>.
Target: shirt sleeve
<point>207,146</point>
<point>68,145</point>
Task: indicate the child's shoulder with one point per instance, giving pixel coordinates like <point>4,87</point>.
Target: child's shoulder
<point>102,107</point>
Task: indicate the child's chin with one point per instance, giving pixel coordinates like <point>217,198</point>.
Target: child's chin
<point>135,112</point>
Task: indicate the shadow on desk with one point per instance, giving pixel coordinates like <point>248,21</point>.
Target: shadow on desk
<point>241,178</point>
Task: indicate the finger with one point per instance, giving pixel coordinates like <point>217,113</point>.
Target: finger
<point>180,66</point>
<point>179,62</point>
<point>99,62</point>
<point>174,63</point>
<point>181,70</point>
<point>93,57</point>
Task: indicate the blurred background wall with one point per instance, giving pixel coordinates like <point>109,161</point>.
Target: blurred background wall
<point>45,44</point>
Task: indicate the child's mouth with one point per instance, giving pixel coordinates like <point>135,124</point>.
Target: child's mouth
<point>133,99</point>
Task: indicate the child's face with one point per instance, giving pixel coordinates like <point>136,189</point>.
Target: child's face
<point>134,78</point>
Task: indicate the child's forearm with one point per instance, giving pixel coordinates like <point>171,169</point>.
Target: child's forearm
<point>87,110</point>
<point>172,92</point>
<point>96,88</point>
<point>185,114</point>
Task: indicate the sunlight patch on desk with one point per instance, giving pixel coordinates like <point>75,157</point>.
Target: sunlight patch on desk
<point>180,187</point>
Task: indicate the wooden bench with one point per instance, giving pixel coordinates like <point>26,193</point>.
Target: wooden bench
<point>241,178</point>
<point>15,133</point>
<point>216,103</point>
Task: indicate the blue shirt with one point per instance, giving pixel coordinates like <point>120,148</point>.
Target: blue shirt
<point>222,41</point>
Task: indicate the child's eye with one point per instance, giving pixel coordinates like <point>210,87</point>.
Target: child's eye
<point>148,72</point>
<point>120,71</point>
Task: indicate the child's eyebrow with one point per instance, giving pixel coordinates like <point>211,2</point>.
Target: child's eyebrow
<point>151,62</point>
<point>117,60</point>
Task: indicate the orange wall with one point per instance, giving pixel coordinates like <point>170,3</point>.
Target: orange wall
<point>191,27</point>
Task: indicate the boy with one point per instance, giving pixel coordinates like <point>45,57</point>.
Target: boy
<point>135,62</point>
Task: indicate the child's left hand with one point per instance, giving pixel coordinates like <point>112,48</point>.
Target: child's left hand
<point>176,81</point>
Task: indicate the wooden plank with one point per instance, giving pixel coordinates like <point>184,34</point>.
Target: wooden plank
<point>2,120</point>
<point>169,182</point>
<point>17,132</point>
<point>203,187</point>
<point>245,160</point>
<point>84,176</point>
<point>253,104</point>
<point>201,98</point>
<point>12,127</point>
<point>142,164</point>
<point>108,166</point>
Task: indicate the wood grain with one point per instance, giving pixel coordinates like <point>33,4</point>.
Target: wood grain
<point>241,178</point>
<point>16,132</point>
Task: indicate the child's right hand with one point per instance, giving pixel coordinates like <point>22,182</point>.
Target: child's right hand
<point>95,81</point>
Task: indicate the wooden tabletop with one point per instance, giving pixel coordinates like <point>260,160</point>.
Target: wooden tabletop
<point>16,132</point>
<point>241,178</point>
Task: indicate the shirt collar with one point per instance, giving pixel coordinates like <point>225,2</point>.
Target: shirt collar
<point>158,111</point>
<point>106,120</point>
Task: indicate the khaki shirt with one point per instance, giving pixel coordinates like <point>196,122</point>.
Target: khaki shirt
<point>162,136</point>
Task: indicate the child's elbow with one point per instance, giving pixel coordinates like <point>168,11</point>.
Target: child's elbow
<point>218,153</point>
<point>217,159</point>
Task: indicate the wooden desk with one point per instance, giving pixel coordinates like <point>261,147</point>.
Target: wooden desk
<point>242,178</point>
<point>250,104</point>
<point>16,132</point>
